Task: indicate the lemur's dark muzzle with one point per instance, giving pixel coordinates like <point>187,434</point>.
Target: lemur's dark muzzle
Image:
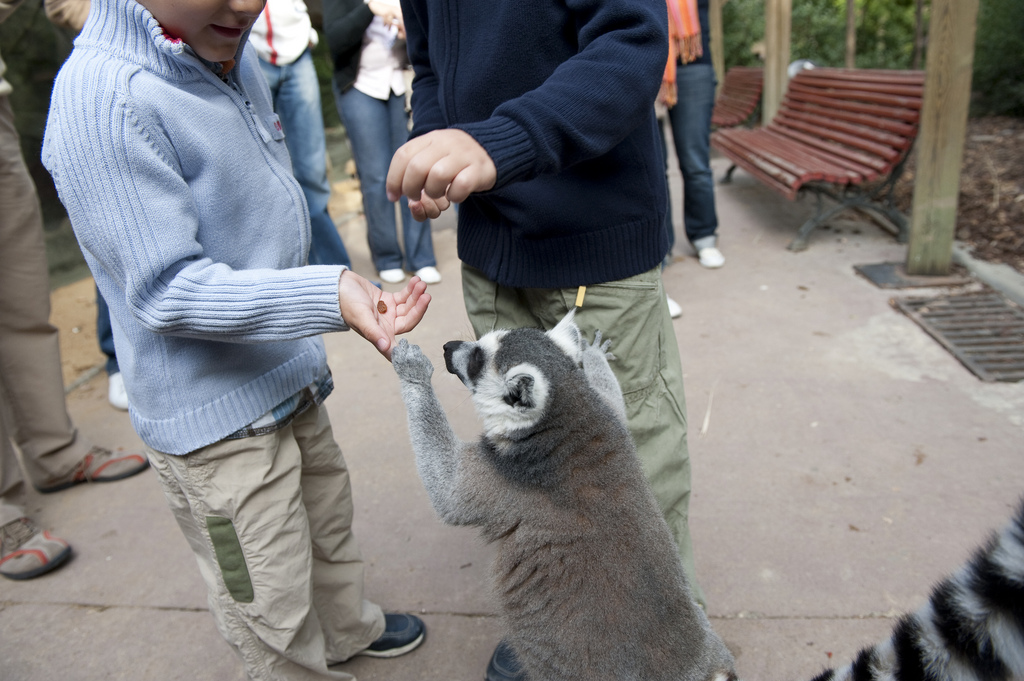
<point>449,349</point>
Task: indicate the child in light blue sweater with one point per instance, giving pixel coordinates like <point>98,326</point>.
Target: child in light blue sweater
<point>165,149</point>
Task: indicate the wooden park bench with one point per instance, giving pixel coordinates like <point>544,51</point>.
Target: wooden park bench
<point>738,97</point>
<point>839,133</point>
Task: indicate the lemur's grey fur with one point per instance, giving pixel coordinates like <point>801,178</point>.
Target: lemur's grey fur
<point>587,575</point>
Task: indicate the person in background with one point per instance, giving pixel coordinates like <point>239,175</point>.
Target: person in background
<point>688,90</point>
<point>117,396</point>
<point>33,413</point>
<point>284,39</point>
<point>537,117</point>
<point>367,42</point>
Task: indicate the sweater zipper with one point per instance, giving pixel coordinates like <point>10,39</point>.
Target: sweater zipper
<point>237,92</point>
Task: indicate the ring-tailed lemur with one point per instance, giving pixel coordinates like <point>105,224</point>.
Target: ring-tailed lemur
<point>586,573</point>
<point>587,576</point>
<point>970,629</point>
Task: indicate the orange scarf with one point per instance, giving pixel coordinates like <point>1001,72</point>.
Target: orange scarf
<point>684,44</point>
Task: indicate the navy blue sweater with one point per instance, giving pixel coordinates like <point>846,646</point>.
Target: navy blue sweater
<point>560,93</point>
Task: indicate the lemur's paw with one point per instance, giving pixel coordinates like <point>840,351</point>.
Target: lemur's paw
<point>410,363</point>
<point>599,347</point>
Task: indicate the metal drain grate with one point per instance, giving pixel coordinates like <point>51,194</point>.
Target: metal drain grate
<point>983,330</point>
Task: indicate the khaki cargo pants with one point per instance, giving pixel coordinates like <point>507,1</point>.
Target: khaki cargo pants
<point>633,314</point>
<point>269,519</point>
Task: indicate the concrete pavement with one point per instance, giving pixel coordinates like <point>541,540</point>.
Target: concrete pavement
<point>842,462</point>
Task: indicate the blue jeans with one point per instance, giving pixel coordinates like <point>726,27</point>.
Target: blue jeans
<point>105,334</point>
<point>296,93</point>
<point>376,128</point>
<point>690,119</point>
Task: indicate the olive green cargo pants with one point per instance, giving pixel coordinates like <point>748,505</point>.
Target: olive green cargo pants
<point>633,314</point>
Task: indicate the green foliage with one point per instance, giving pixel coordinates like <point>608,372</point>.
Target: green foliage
<point>818,31</point>
<point>999,58</point>
<point>742,27</point>
<point>885,32</point>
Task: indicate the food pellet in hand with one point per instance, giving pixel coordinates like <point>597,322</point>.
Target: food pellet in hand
<point>382,307</point>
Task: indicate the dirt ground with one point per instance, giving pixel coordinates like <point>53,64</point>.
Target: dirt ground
<point>990,221</point>
<point>73,312</point>
<point>990,213</point>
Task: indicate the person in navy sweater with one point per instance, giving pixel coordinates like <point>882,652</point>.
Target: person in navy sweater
<point>537,118</point>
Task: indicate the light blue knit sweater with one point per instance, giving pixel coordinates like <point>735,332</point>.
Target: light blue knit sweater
<point>182,197</point>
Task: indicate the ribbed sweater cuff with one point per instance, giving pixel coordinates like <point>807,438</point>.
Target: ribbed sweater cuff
<point>508,145</point>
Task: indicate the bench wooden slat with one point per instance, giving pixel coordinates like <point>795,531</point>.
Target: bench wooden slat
<point>889,113</point>
<point>795,164</point>
<point>855,156</point>
<point>901,89</point>
<point>828,126</point>
<point>775,178</point>
<point>805,163</point>
<point>731,109</point>
<point>880,150</point>
<point>842,98</point>
<point>868,75</point>
<point>870,167</point>
<point>795,170</point>
<point>896,127</point>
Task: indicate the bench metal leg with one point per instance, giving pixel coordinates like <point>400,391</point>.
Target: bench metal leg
<point>860,202</point>
<point>727,178</point>
<point>897,218</point>
<point>799,243</point>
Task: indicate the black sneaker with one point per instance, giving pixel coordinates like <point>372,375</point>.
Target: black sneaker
<point>402,633</point>
<point>504,665</point>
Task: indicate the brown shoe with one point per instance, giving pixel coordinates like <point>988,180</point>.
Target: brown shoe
<point>99,465</point>
<point>27,552</point>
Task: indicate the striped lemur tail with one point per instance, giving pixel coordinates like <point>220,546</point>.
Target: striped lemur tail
<point>972,626</point>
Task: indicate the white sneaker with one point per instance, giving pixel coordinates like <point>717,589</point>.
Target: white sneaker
<point>395,276</point>
<point>674,310</point>
<point>711,257</point>
<point>429,275</point>
<point>116,394</point>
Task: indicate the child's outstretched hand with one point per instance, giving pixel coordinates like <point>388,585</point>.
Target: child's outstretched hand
<point>438,169</point>
<point>379,316</point>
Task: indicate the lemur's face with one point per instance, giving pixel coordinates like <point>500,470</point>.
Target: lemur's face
<point>508,371</point>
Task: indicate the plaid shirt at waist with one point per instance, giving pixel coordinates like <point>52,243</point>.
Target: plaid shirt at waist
<point>286,412</point>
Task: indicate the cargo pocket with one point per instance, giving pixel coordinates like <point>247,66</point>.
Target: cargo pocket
<point>230,558</point>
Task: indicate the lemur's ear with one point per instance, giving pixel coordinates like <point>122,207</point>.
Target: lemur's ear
<point>566,335</point>
<point>519,391</point>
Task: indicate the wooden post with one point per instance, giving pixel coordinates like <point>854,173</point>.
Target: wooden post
<point>940,143</point>
<point>851,34</point>
<point>777,23</point>
<point>717,48</point>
